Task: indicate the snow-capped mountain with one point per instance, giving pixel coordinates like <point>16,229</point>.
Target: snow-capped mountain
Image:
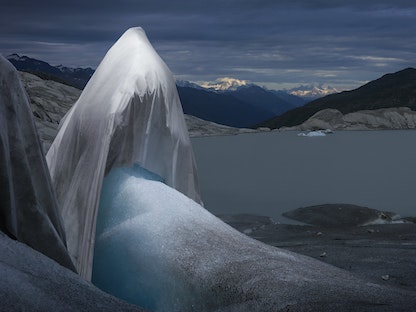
<point>307,92</point>
<point>188,84</point>
<point>311,92</point>
<point>225,84</point>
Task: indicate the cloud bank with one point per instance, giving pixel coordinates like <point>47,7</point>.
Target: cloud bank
<point>279,45</point>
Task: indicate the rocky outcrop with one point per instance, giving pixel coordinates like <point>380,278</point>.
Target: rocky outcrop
<point>200,128</point>
<point>28,209</point>
<point>341,215</point>
<point>50,101</point>
<point>379,119</point>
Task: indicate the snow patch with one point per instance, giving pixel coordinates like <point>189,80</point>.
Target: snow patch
<point>225,83</point>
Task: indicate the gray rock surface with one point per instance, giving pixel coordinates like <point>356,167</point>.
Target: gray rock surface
<point>50,101</point>
<point>379,119</point>
<point>198,127</point>
<point>31,281</point>
<point>340,215</point>
<point>28,209</point>
<point>371,252</point>
<point>208,266</point>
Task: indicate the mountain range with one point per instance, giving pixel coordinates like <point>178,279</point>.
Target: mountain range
<point>237,103</point>
<point>241,107</point>
<point>232,102</point>
<point>312,92</point>
<point>392,90</point>
<point>306,92</point>
<point>75,77</point>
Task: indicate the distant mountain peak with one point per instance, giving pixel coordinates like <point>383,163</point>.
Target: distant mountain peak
<point>312,91</point>
<point>225,84</point>
<point>393,90</point>
<point>187,84</point>
<point>14,56</point>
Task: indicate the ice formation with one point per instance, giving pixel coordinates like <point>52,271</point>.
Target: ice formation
<point>28,210</point>
<point>128,113</point>
<point>317,133</point>
<point>160,250</point>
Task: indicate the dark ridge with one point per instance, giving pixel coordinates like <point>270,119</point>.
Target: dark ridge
<point>391,90</point>
<point>236,108</point>
<point>75,77</point>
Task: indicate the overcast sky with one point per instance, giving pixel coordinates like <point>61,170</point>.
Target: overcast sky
<point>274,43</point>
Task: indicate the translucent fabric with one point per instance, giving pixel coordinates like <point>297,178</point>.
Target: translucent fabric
<point>28,209</point>
<point>128,113</point>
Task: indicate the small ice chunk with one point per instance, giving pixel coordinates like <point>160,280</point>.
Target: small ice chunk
<point>318,133</point>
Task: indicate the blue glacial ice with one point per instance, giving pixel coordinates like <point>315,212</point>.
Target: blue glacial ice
<point>160,250</point>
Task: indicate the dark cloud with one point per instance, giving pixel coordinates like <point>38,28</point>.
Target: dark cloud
<point>275,43</point>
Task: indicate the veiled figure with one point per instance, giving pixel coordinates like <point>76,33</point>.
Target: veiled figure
<point>129,113</point>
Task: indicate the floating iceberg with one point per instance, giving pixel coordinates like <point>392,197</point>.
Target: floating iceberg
<point>28,210</point>
<point>317,133</point>
<point>128,113</point>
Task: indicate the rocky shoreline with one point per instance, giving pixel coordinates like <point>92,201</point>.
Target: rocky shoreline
<point>395,118</point>
<point>381,253</point>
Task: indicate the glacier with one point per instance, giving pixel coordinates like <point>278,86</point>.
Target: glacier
<point>128,113</point>
<point>28,209</point>
<point>123,169</point>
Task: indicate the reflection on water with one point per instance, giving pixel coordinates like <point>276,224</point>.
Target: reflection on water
<point>269,173</point>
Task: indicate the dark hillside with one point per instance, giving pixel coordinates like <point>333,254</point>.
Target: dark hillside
<point>391,90</point>
<point>220,108</point>
<point>75,77</point>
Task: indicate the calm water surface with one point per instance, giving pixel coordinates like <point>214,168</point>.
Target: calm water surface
<point>270,173</point>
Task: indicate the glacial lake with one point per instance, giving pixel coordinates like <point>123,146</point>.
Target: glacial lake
<point>272,172</point>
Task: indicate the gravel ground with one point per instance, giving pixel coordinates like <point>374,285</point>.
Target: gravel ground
<point>384,253</point>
